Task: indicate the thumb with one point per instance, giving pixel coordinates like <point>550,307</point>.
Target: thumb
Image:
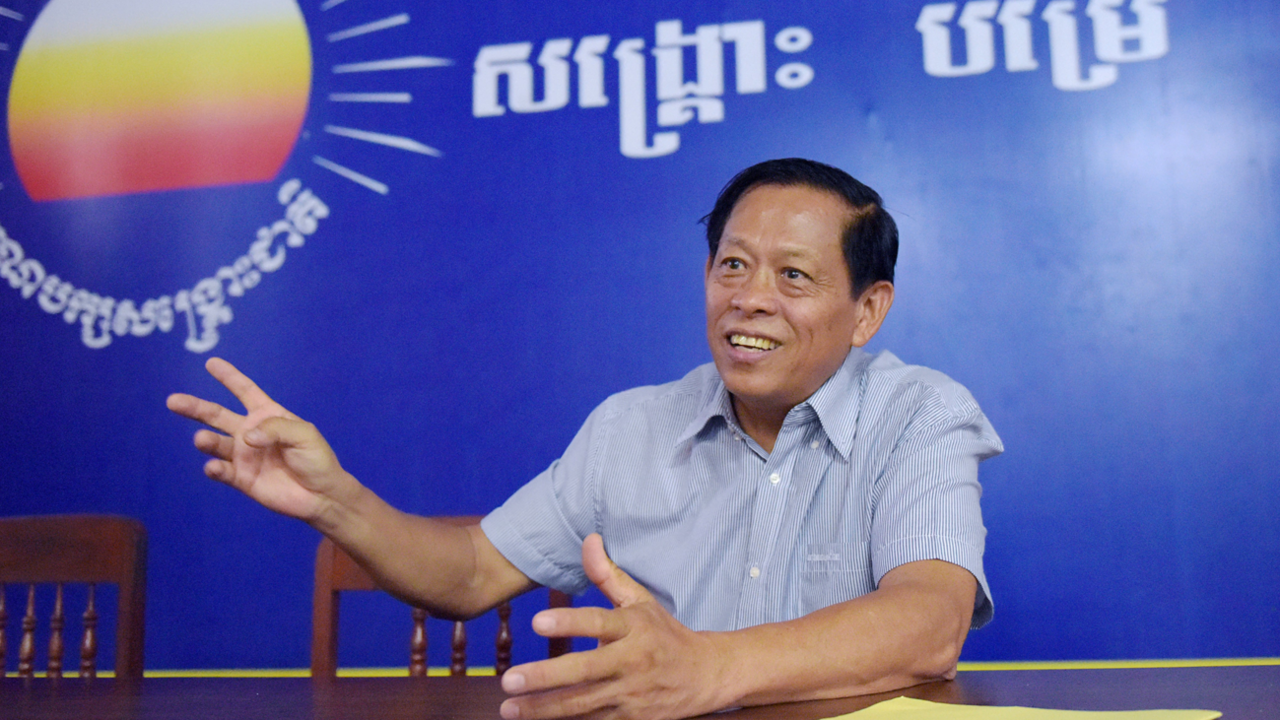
<point>281,431</point>
<point>301,446</point>
<point>616,585</point>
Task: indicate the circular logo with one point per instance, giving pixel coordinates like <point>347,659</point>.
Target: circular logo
<point>111,98</point>
<point>127,118</point>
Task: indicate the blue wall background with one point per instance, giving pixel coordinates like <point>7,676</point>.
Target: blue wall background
<point>1098,267</point>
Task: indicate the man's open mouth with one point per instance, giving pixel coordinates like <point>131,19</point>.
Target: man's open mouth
<point>751,342</point>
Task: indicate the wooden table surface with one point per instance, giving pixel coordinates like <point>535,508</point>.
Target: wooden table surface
<point>1238,692</point>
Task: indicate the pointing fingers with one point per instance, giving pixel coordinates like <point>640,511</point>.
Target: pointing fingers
<point>209,413</point>
<point>245,390</point>
<point>255,401</point>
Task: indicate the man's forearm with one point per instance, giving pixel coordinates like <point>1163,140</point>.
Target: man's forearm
<point>451,570</point>
<point>907,632</point>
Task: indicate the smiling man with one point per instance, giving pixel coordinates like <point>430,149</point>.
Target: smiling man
<point>782,307</point>
<point>797,520</point>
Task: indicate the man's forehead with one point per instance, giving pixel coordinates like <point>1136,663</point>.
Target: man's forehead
<point>817,198</point>
<point>783,249</point>
<point>791,213</point>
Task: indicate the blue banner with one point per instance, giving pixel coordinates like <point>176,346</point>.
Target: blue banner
<point>444,232</point>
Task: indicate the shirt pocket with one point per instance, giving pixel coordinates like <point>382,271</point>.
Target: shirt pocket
<point>832,573</point>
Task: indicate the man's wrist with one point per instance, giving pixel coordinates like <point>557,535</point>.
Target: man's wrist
<point>729,672</point>
<point>345,516</point>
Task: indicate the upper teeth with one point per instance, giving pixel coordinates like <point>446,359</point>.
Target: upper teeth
<point>755,342</point>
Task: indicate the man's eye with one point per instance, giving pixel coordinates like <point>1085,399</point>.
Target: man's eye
<point>794,274</point>
<point>732,263</point>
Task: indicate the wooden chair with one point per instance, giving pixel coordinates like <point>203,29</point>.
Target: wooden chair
<point>88,549</point>
<point>336,572</point>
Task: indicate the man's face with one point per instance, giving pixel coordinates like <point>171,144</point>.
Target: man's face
<point>780,314</point>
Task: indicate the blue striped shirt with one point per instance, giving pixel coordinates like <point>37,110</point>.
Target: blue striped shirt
<point>878,468</point>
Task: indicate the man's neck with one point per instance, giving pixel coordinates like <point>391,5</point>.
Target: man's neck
<point>762,424</point>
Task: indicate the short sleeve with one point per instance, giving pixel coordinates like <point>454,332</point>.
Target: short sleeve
<point>540,528</point>
<point>926,500</point>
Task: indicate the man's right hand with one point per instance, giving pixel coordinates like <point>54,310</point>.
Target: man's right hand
<point>269,454</point>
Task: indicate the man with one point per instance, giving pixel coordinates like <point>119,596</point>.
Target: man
<point>798,521</point>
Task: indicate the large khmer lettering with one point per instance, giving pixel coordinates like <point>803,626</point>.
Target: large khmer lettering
<point>204,306</point>
<point>1123,31</point>
<point>681,93</point>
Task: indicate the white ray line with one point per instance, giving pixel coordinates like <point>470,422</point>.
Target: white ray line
<point>404,63</point>
<point>330,3</point>
<point>375,26</point>
<point>393,141</point>
<point>351,175</point>
<point>398,97</point>
<point>6,12</point>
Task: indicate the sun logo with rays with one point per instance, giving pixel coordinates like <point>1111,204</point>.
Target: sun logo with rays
<point>117,99</point>
<point>357,68</point>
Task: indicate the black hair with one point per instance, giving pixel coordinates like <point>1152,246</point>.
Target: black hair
<point>869,242</point>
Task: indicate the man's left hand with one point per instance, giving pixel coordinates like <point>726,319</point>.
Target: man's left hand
<point>647,664</point>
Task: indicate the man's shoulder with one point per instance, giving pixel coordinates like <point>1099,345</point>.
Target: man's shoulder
<point>890,381</point>
<point>685,396</point>
<point>912,400</point>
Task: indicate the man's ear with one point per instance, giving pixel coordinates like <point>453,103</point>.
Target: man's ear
<point>873,305</point>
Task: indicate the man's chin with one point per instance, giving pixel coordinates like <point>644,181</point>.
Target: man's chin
<point>757,396</point>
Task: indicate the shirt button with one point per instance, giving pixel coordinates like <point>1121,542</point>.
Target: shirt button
<point>755,573</point>
<point>814,444</point>
<point>775,478</point>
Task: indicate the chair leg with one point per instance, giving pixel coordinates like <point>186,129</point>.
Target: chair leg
<point>418,644</point>
<point>89,642</point>
<point>502,661</point>
<point>458,665</point>
<point>56,622</point>
<point>27,649</point>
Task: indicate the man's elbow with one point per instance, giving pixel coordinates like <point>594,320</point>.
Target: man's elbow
<point>943,596</point>
<point>940,652</point>
<point>939,663</point>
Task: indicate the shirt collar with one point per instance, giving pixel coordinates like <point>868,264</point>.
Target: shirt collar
<point>838,402</point>
<point>715,403</point>
<point>835,404</point>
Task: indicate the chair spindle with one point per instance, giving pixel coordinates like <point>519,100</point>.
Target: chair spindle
<point>418,644</point>
<point>27,648</point>
<point>502,658</point>
<point>89,643</point>
<point>56,645</point>
<point>458,665</point>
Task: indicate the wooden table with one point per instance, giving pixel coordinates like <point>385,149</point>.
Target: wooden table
<point>1239,692</point>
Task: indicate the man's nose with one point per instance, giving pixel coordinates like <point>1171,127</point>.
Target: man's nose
<point>758,294</point>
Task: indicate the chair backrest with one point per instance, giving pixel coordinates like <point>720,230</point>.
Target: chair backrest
<point>89,549</point>
<point>337,572</point>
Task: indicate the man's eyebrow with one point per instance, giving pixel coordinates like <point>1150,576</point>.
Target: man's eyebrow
<point>797,251</point>
<point>801,252</point>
